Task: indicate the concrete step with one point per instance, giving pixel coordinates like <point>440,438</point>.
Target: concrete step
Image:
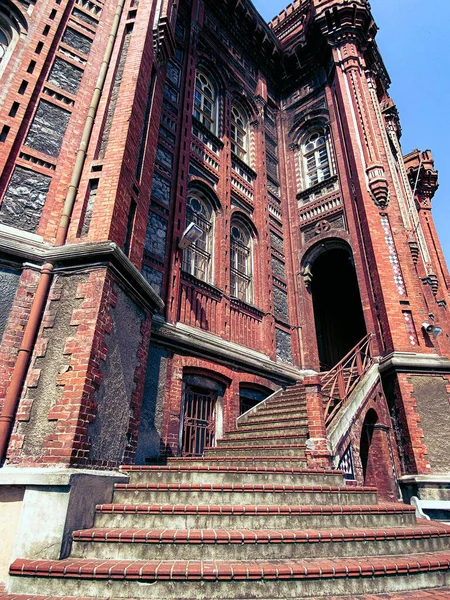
<point>275,413</point>
<point>286,399</point>
<point>305,578</point>
<point>272,423</point>
<point>266,438</point>
<point>245,544</point>
<point>257,450</point>
<point>429,594</point>
<point>154,516</point>
<point>181,471</point>
<point>167,493</point>
<point>292,401</point>
<point>261,460</point>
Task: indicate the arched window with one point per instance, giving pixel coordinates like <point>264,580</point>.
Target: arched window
<point>241,262</point>
<point>239,133</point>
<point>316,160</point>
<point>12,26</point>
<point>197,257</point>
<point>205,101</point>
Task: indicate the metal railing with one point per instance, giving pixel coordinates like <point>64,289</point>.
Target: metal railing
<point>339,383</point>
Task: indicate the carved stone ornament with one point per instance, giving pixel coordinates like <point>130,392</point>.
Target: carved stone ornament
<point>322,227</point>
<point>431,280</point>
<point>307,275</point>
<point>378,186</point>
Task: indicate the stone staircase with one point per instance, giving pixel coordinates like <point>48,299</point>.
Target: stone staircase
<point>248,520</point>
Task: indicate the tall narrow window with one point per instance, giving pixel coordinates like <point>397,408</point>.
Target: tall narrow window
<point>197,257</point>
<point>205,102</point>
<point>239,135</point>
<point>315,158</point>
<point>241,262</point>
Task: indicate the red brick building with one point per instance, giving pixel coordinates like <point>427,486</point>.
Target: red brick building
<point>199,209</point>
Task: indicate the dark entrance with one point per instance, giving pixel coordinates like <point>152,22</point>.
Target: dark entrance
<point>337,306</point>
<point>250,397</point>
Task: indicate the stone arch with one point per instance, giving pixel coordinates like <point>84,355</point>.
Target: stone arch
<point>365,445</point>
<point>238,215</point>
<point>200,186</point>
<point>376,456</point>
<point>13,26</point>
<point>329,273</point>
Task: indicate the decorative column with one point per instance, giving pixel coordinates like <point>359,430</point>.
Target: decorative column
<point>318,454</point>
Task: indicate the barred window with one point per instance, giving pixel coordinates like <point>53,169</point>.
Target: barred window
<point>239,133</point>
<point>197,257</point>
<point>316,159</point>
<point>205,101</point>
<point>241,263</point>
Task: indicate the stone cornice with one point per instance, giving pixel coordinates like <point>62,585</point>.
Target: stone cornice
<point>18,247</point>
<point>405,362</point>
<point>183,338</point>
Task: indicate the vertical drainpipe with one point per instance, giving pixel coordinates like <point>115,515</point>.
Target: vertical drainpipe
<point>12,397</point>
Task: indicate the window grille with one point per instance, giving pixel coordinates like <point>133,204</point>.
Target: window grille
<point>241,263</point>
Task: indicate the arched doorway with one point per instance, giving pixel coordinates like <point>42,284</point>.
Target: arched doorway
<point>365,446</point>
<point>338,314</point>
<point>201,414</point>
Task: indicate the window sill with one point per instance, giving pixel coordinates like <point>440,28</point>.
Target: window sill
<point>246,307</point>
<point>209,134</point>
<point>317,187</point>
<point>199,283</point>
<point>244,165</point>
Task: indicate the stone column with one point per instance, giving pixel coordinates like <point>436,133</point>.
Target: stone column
<point>318,454</point>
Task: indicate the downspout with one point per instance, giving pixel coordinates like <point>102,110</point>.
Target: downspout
<point>12,397</point>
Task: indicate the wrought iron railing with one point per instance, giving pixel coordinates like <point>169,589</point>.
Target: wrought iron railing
<point>339,383</point>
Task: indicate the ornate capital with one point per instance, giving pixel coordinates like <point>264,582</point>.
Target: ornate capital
<point>378,185</point>
<point>422,175</point>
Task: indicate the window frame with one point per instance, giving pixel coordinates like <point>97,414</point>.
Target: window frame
<point>316,161</point>
<point>239,137</point>
<point>198,257</point>
<point>207,117</point>
<point>241,273</point>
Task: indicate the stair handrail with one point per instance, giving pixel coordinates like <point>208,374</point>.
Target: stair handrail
<point>341,380</point>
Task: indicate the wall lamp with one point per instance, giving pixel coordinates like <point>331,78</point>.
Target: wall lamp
<point>432,330</point>
<point>190,235</point>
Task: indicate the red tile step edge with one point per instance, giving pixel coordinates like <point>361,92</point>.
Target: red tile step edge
<point>168,509</point>
<point>244,459</point>
<point>195,570</point>
<point>242,487</point>
<point>430,594</point>
<point>253,447</point>
<point>223,469</point>
<point>259,536</point>
<point>267,423</point>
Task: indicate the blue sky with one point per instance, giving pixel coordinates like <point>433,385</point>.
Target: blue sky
<point>414,44</point>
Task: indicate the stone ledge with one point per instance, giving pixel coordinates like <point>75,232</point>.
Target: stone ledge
<point>31,476</point>
<point>412,361</point>
<point>19,246</point>
<point>407,479</point>
<point>213,347</point>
